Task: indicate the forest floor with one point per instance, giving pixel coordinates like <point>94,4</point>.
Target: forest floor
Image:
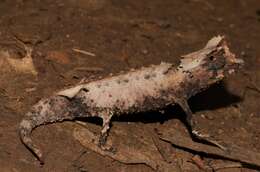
<point>120,35</point>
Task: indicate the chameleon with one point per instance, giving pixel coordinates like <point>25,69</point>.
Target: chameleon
<point>146,89</point>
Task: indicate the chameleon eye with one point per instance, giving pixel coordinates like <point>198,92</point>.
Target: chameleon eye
<point>212,58</point>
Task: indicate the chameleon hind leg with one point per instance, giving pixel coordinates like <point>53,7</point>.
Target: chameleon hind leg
<point>102,139</point>
<point>195,133</point>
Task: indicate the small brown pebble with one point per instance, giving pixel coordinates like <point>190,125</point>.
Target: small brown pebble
<point>58,57</point>
<point>145,51</point>
<point>203,116</point>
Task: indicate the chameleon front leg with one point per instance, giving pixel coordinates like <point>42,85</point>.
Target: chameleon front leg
<point>192,125</point>
<point>104,132</point>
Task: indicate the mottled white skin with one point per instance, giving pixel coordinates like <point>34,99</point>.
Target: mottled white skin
<point>126,91</point>
<point>150,88</point>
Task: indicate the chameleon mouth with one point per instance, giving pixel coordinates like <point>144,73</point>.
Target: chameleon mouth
<point>232,63</point>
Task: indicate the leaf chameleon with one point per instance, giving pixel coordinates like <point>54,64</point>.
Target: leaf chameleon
<point>145,89</point>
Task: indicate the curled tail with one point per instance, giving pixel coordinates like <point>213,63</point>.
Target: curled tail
<point>45,111</point>
<point>25,129</point>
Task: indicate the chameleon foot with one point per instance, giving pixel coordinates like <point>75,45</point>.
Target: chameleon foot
<point>104,146</point>
<point>207,138</point>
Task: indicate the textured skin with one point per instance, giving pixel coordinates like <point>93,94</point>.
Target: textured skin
<point>150,88</point>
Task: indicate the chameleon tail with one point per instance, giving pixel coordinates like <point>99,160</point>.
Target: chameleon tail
<point>45,111</point>
<point>25,129</point>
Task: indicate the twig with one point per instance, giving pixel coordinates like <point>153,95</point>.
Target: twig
<point>220,166</point>
<point>156,140</point>
<point>30,89</point>
<point>83,52</point>
<point>234,152</point>
<point>252,85</point>
<point>27,49</point>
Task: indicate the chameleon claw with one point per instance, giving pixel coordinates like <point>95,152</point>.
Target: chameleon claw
<point>207,138</point>
<point>102,144</point>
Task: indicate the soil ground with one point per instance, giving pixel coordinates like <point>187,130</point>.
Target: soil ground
<point>123,34</point>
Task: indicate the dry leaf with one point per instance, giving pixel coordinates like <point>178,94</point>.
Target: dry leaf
<point>24,65</point>
<point>131,147</point>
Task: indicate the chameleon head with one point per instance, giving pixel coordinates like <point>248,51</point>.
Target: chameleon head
<point>215,60</point>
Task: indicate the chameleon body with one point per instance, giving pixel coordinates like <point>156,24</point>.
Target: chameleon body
<point>145,89</point>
